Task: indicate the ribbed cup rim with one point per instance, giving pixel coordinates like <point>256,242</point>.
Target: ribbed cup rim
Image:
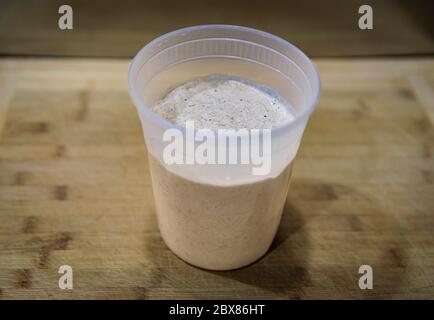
<point>166,124</point>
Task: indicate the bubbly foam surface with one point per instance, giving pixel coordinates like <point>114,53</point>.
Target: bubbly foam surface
<point>223,102</point>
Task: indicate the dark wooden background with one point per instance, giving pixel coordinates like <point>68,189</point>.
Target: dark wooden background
<point>75,190</point>
<point>115,28</point>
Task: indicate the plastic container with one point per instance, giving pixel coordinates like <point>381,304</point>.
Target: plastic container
<point>240,232</point>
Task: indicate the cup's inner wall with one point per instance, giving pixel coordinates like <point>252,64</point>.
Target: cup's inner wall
<point>185,61</point>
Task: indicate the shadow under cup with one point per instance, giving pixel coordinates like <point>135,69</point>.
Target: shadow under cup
<point>221,217</point>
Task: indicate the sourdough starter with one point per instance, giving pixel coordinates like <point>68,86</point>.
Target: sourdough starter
<point>211,226</point>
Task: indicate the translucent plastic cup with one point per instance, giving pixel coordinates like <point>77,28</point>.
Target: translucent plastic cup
<point>221,217</point>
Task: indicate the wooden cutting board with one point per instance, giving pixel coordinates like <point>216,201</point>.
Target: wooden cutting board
<point>75,190</point>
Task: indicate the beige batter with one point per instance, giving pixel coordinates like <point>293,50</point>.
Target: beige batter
<point>219,227</point>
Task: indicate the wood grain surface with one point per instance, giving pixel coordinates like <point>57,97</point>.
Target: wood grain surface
<point>75,190</point>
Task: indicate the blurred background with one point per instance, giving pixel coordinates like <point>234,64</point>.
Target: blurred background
<point>115,28</point>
